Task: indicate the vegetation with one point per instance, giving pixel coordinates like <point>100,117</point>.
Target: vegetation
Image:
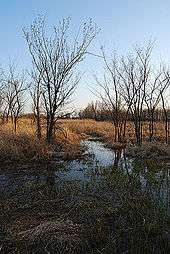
<point>24,146</point>
<point>54,60</point>
<point>109,213</point>
<point>56,196</point>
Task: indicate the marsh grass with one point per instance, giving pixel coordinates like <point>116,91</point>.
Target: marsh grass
<point>24,145</point>
<point>111,213</point>
<point>105,130</point>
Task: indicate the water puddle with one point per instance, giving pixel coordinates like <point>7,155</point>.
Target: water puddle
<point>97,159</point>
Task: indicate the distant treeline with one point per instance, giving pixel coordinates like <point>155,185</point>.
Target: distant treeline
<point>99,112</point>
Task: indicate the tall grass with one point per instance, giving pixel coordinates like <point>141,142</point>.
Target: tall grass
<point>24,145</point>
<point>106,130</point>
<point>109,214</point>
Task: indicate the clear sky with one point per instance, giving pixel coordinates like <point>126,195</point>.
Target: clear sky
<point>122,22</point>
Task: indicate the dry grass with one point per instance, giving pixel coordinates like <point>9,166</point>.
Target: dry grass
<point>147,150</point>
<point>106,129</point>
<point>90,128</point>
<point>106,215</point>
<point>61,231</point>
<point>69,133</point>
<point>22,146</point>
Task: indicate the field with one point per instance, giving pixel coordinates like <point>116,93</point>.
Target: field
<point>24,145</point>
<point>63,198</point>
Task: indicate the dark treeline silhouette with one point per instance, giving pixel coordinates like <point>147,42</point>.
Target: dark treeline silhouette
<point>97,111</point>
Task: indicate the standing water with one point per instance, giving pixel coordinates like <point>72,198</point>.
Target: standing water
<point>152,177</point>
<point>105,200</point>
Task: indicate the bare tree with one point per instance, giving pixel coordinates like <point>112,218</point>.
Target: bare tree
<point>1,103</point>
<point>91,111</point>
<point>13,95</point>
<point>154,92</point>
<point>55,57</point>
<point>163,91</point>
<point>135,74</point>
<point>112,96</point>
<point>36,95</point>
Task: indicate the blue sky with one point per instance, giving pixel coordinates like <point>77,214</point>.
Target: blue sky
<point>122,22</point>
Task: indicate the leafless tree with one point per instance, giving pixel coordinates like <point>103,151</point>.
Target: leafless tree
<point>112,97</point>
<point>154,93</point>
<point>55,58</point>
<point>36,95</point>
<point>14,87</point>
<point>91,111</point>
<point>163,95</point>
<point>135,74</point>
<point>1,103</point>
<point>131,87</point>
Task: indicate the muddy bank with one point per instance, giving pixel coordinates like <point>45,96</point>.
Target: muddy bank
<point>87,205</point>
<point>149,151</point>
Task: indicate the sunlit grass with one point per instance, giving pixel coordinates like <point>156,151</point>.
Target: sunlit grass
<point>68,134</point>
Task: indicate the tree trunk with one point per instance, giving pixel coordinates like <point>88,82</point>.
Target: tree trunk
<point>38,121</point>
<point>50,130</point>
<point>15,124</point>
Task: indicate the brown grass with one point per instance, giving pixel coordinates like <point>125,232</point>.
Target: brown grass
<point>106,129</point>
<point>24,146</point>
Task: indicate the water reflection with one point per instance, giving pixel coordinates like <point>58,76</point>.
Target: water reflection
<point>148,176</point>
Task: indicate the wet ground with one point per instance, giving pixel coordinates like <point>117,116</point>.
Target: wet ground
<point>93,192</point>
